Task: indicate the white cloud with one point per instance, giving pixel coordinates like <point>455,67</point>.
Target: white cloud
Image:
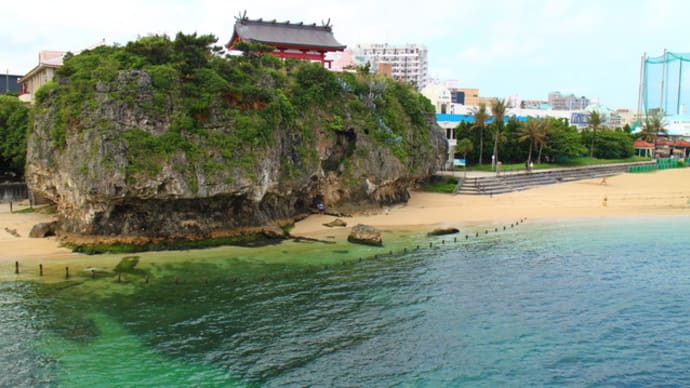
<point>503,46</point>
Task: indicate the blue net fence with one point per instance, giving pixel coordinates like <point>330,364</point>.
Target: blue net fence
<point>665,87</point>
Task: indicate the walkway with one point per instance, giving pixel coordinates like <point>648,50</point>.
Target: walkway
<point>489,183</point>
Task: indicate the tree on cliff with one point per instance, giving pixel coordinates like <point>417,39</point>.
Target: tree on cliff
<point>14,118</point>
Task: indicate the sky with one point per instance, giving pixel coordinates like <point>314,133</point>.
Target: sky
<point>528,48</point>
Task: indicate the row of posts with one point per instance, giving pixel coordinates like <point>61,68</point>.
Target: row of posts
<point>93,272</point>
<point>119,275</point>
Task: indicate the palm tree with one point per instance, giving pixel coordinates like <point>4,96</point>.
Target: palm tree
<point>480,116</point>
<point>541,140</point>
<point>653,127</point>
<point>464,146</point>
<point>498,109</point>
<point>595,119</point>
<point>533,131</point>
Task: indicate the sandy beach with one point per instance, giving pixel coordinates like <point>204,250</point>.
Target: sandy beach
<point>659,193</point>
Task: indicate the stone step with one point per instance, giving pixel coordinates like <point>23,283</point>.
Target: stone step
<point>489,185</point>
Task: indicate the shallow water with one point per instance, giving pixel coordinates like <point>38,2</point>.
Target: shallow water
<point>597,302</point>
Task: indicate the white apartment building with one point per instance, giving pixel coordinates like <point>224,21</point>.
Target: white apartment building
<point>407,63</point>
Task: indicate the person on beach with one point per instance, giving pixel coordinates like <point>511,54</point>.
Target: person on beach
<point>603,181</point>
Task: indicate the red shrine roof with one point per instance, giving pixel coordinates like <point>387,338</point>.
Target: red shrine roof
<point>286,34</point>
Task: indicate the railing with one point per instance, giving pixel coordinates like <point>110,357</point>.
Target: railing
<point>13,192</point>
<point>661,164</point>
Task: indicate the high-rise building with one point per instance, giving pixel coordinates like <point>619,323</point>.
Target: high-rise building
<point>408,62</point>
<point>567,102</point>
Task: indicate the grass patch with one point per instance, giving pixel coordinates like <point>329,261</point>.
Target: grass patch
<point>575,162</point>
<point>28,210</point>
<point>440,184</point>
<point>37,209</point>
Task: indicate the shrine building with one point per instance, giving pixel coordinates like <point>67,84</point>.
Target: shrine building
<point>291,40</point>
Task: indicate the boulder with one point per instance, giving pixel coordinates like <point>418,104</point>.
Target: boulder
<point>443,231</point>
<point>364,234</point>
<point>336,222</point>
<point>43,229</point>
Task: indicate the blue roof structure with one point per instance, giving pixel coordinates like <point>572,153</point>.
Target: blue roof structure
<point>458,118</point>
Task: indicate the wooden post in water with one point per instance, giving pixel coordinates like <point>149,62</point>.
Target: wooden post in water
<point>40,270</point>
<point>93,273</point>
<point>16,268</point>
<point>66,272</point>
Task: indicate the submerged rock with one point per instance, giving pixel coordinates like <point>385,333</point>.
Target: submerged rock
<point>443,231</point>
<point>365,234</point>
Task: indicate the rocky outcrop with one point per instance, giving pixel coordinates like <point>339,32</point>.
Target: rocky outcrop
<point>102,187</point>
<point>364,234</point>
<point>336,223</point>
<point>43,229</point>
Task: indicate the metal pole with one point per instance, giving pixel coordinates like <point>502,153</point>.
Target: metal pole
<point>641,90</point>
<point>680,82</point>
<point>663,79</point>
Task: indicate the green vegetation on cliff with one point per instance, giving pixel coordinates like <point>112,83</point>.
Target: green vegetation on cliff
<point>220,112</point>
<point>14,118</point>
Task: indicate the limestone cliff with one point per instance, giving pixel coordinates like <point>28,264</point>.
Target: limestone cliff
<point>231,143</point>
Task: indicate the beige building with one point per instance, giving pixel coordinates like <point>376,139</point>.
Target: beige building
<point>48,62</point>
<point>439,95</point>
<point>465,96</point>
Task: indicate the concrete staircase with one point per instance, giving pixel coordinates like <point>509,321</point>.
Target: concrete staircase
<point>516,181</point>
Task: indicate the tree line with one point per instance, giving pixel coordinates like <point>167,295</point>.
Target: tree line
<point>547,139</point>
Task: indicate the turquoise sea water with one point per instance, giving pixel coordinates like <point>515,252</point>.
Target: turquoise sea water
<point>587,302</point>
